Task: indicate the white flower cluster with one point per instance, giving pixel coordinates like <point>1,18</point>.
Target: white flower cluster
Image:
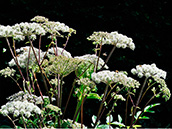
<point>7,72</point>
<point>39,19</point>
<point>6,31</point>
<point>93,59</point>
<point>54,28</point>
<point>22,96</point>
<point>19,31</point>
<point>74,125</point>
<point>109,77</point>
<point>113,38</point>
<point>22,58</point>
<point>20,108</point>
<point>65,53</point>
<point>148,71</point>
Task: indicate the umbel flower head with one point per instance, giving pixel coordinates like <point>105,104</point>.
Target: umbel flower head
<point>93,59</point>
<point>22,57</point>
<point>39,19</point>
<point>148,71</point>
<point>109,77</point>
<point>113,38</point>
<point>7,72</point>
<point>20,108</point>
<point>60,51</point>
<point>62,65</point>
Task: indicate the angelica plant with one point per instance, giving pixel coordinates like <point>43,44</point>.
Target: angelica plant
<point>36,109</point>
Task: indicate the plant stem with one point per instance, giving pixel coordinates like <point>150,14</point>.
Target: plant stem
<point>138,100</point>
<point>65,44</point>
<point>12,122</point>
<point>110,54</point>
<point>14,58</point>
<point>40,68</point>
<point>101,105</point>
<point>143,109</point>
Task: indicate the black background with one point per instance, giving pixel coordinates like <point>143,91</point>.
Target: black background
<point>147,22</point>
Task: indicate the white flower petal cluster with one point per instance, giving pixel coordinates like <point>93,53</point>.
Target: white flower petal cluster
<point>148,71</point>
<point>6,31</point>
<point>55,27</point>
<point>7,72</point>
<point>109,77</point>
<point>93,59</point>
<point>22,57</point>
<point>60,51</point>
<point>22,96</point>
<point>113,38</point>
<point>20,108</point>
<point>19,31</point>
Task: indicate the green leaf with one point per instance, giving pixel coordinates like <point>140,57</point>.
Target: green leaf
<point>109,119</point>
<point>94,118</point>
<point>118,123</point>
<point>144,117</point>
<point>93,96</point>
<point>119,118</point>
<point>150,106</point>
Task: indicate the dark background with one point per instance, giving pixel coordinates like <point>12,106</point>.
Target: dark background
<point>147,22</point>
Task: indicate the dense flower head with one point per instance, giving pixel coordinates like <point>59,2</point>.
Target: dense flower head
<point>22,96</point>
<point>113,38</point>
<point>148,71</point>
<point>22,57</point>
<point>93,59</point>
<point>54,28</point>
<point>7,72</point>
<point>60,51</point>
<point>20,108</point>
<point>109,77</point>
<point>19,31</point>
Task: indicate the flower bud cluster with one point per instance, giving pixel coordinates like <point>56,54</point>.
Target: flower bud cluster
<point>148,71</point>
<point>109,77</point>
<point>7,72</point>
<point>93,59</point>
<point>20,108</point>
<point>118,96</point>
<point>39,19</point>
<point>22,57</point>
<point>163,87</point>
<point>113,38</point>
<point>74,125</point>
<point>60,51</point>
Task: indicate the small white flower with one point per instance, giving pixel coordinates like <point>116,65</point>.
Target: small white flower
<point>27,114</point>
<point>4,112</point>
<point>16,113</point>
